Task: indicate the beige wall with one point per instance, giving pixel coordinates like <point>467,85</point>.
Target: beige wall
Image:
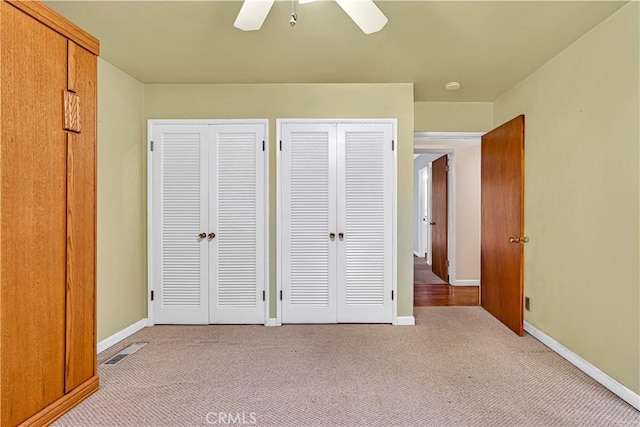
<point>300,101</point>
<point>582,193</point>
<point>453,116</point>
<point>121,207</point>
<point>467,171</point>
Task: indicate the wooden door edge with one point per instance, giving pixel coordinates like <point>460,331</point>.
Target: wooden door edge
<point>61,406</point>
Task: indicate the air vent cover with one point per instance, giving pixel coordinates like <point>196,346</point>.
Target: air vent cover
<point>124,353</point>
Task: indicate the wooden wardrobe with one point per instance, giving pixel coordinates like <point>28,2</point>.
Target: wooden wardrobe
<point>48,85</point>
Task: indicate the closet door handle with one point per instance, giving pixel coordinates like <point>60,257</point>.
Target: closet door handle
<point>332,236</point>
<point>212,236</point>
<point>341,236</point>
<point>202,235</point>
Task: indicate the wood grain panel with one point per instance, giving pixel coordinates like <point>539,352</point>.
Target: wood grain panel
<point>502,213</point>
<point>81,230</point>
<point>439,218</point>
<point>71,66</point>
<point>33,215</point>
<point>59,24</point>
<point>58,408</point>
<point>72,112</point>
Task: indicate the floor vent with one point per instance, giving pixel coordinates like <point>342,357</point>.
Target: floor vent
<point>124,353</point>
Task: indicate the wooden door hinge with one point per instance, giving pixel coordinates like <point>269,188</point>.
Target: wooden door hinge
<point>151,295</point>
<point>447,263</point>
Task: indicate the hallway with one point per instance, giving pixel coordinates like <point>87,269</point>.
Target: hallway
<point>429,290</point>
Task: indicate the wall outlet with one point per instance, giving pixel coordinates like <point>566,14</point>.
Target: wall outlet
<point>527,303</point>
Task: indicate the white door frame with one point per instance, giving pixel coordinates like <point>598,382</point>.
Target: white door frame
<point>439,142</point>
<point>150,225</point>
<point>394,226</point>
<point>424,245</point>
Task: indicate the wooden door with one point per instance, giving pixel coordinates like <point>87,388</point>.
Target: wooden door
<point>81,223</point>
<point>364,222</point>
<point>236,231</point>
<point>502,212</point>
<point>309,230</point>
<point>34,210</point>
<point>439,218</point>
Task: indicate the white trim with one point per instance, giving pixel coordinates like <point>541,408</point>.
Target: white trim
<point>394,227</point>
<point>446,143</point>
<point>613,385</point>
<point>150,124</point>
<point>417,254</point>
<point>273,322</point>
<point>149,223</point>
<point>465,283</point>
<point>123,334</point>
<point>405,321</point>
<point>448,135</point>
<point>278,222</point>
<point>267,237</point>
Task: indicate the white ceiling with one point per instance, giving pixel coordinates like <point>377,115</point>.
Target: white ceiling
<point>487,46</point>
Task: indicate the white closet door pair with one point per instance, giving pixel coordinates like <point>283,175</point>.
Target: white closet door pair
<point>337,199</point>
<point>208,223</point>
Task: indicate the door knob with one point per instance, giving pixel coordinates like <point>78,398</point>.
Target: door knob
<point>212,235</point>
<point>432,223</point>
<point>202,235</point>
<point>332,236</point>
<point>341,236</point>
<point>518,239</point>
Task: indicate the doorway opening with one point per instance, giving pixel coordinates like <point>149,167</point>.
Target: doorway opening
<point>446,218</point>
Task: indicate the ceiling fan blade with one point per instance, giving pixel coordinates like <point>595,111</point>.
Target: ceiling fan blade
<point>365,14</point>
<point>252,14</point>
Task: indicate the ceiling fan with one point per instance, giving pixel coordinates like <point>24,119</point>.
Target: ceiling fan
<point>364,13</point>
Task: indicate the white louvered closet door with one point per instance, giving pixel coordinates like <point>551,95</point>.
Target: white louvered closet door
<point>365,191</point>
<point>236,216</point>
<point>308,260</point>
<point>180,169</point>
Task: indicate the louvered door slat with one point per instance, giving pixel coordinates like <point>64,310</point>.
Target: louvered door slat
<point>365,218</point>
<point>308,216</point>
<point>179,200</point>
<point>237,218</point>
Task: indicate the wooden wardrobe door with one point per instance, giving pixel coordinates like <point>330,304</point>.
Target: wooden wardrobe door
<point>33,175</point>
<point>80,363</point>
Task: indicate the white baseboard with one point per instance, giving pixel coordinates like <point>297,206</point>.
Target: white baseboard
<point>119,336</point>
<point>465,283</point>
<point>405,321</point>
<point>614,386</point>
<point>273,322</point>
<point>417,254</point>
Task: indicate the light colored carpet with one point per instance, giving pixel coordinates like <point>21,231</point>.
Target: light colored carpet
<point>458,367</point>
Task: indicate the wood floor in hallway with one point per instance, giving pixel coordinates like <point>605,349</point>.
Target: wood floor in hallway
<point>429,290</point>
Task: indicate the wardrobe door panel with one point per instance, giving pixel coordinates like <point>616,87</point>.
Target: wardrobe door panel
<point>308,223</point>
<point>81,225</point>
<point>236,219</point>
<point>365,191</point>
<point>33,212</point>
<point>180,210</point>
